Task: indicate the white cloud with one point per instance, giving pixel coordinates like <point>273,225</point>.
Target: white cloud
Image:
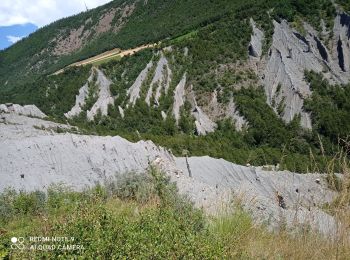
<point>13,39</point>
<point>41,12</point>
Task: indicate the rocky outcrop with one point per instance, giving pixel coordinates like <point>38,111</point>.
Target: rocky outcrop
<point>239,121</point>
<point>290,55</point>
<point>33,158</point>
<point>341,43</point>
<point>273,198</point>
<point>27,110</point>
<point>160,81</point>
<point>134,90</point>
<point>121,111</point>
<point>164,115</point>
<point>179,98</point>
<point>3,108</point>
<point>80,99</point>
<point>204,124</point>
<point>256,42</point>
<point>104,96</point>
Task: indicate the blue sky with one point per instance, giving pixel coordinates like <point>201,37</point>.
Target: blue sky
<point>18,18</point>
<point>13,33</point>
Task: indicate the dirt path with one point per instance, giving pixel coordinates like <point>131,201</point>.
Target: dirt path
<point>107,55</point>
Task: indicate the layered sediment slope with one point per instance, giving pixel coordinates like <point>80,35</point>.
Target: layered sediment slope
<point>34,156</point>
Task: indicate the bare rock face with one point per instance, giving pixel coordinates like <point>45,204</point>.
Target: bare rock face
<point>164,115</point>
<point>289,56</point>
<point>161,80</point>
<point>179,98</point>
<point>204,124</point>
<point>3,108</point>
<point>104,96</point>
<point>104,99</point>
<point>256,42</point>
<point>232,112</point>
<point>341,43</point>
<point>80,99</point>
<point>27,110</point>
<point>134,90</point>
<point>33,157</point>
<point>121,111</point>
<point>273,198</point>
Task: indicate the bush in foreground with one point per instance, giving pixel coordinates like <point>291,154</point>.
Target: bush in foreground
<point>143,217</point>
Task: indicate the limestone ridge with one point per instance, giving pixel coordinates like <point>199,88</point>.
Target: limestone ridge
<point>282,69</point>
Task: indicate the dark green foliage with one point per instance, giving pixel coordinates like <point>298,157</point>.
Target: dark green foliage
<point>186,122</point>
<point>150,23</point>
<point>14,204</point>
<point>266,127</point>
<point>153,22</point>
<point>329,107</point>
<point>311,10</point>
<point>54,95</point>
<point>217,34</point>
<point>345,4</point>
<point>222,42</point>
<point>124,72</point>
<point>109,224</point>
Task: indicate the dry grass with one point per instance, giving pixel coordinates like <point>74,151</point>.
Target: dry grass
<point>308,244</point>
<point>244,239</point>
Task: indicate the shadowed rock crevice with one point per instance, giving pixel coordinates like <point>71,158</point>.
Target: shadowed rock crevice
<point>345,21</point>
<point>322,50</point>
<point>300,37</point>
<point>340,55</point>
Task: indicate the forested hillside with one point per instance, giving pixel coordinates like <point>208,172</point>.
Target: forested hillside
<point>203,88</point>
<point>136,23</point>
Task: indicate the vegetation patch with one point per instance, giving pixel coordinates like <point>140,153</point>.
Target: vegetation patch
<point>143,217</point>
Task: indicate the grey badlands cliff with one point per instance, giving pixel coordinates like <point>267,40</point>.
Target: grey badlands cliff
<point>280,70</point>
<point>34,156</point>
<point>28,110</point>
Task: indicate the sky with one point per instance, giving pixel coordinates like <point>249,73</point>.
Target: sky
<point>18,18</point>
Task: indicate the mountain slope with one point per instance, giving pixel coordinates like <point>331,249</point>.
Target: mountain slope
<point>119,24</point>
<point>229,82</point>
